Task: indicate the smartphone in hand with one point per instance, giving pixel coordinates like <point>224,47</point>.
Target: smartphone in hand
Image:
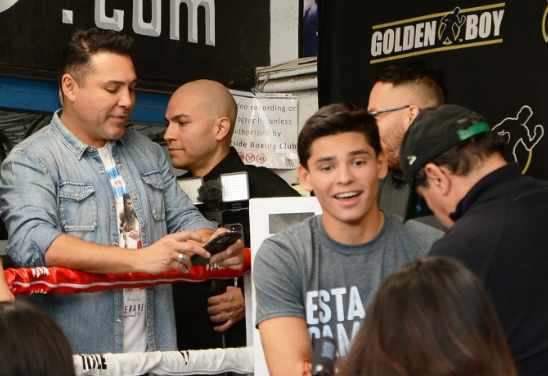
<point>216,245</point>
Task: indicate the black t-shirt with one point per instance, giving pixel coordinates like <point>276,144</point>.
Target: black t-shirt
<point>500,234</point>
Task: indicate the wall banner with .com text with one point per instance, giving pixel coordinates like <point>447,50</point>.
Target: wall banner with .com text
<point>176,40</point>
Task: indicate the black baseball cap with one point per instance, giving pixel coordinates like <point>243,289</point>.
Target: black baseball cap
<point>434,131</point>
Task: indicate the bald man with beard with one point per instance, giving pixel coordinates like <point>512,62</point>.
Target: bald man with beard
<point>201,116</point>
<point>398,94</point>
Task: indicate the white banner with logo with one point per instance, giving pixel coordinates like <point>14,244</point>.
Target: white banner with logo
<point>266,130</point>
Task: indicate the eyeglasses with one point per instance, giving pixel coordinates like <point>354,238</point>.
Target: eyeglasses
<point>385,110</point>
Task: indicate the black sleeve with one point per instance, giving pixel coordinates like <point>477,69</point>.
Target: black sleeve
<point>473,247</point>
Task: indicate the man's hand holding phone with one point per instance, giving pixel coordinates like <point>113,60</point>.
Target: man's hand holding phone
<point>225,248</point>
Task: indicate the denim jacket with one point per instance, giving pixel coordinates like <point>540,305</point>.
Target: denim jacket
<point>52,183</point>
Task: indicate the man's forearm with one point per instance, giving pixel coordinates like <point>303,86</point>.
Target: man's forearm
<point>71,252</point>
<point>286,355</point>
<point>170,252</point>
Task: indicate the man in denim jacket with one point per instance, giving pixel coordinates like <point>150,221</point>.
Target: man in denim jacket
<point>85,193</point>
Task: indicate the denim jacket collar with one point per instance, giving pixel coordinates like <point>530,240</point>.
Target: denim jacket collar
<point>74,144</point>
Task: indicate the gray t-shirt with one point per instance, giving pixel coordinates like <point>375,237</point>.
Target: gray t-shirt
<point>303,273</point>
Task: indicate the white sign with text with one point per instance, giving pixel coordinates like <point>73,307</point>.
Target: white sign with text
<point>266,130</point>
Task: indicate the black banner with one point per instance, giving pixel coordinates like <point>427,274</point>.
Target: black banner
<point>493,55</point>
<point>176,40</point>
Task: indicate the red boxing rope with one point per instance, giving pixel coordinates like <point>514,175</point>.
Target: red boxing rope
<point>57,280</point>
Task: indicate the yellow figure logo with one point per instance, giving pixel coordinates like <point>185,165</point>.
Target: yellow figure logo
<point>521,135</point>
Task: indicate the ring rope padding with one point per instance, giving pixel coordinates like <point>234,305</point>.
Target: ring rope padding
<point>208,362</point>
<point>58,280</point>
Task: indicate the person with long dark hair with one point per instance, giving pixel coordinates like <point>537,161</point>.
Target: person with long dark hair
<point>431,318</point>
<point>31,343</point>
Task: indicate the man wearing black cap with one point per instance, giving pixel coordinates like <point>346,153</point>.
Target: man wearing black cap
<point>496,218</point>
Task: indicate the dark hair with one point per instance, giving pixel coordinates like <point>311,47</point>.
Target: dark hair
<point>418,73</point>
<point>334,119</point>
<point>85,43</point>
<point>31,343</point>
<point>461,159</point>
<point>431,318</point>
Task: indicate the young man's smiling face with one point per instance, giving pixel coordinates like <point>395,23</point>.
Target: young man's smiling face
<point>344,171</point>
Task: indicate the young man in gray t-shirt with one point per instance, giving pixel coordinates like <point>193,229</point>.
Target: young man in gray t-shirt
<point>315,279</point>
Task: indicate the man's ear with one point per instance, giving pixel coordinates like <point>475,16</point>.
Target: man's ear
<point>304,178</point>
<point>382,165</point>
<point>69,87</point>
<point>412,113</point>
<point>222,128</point>
<point>438,178</point>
